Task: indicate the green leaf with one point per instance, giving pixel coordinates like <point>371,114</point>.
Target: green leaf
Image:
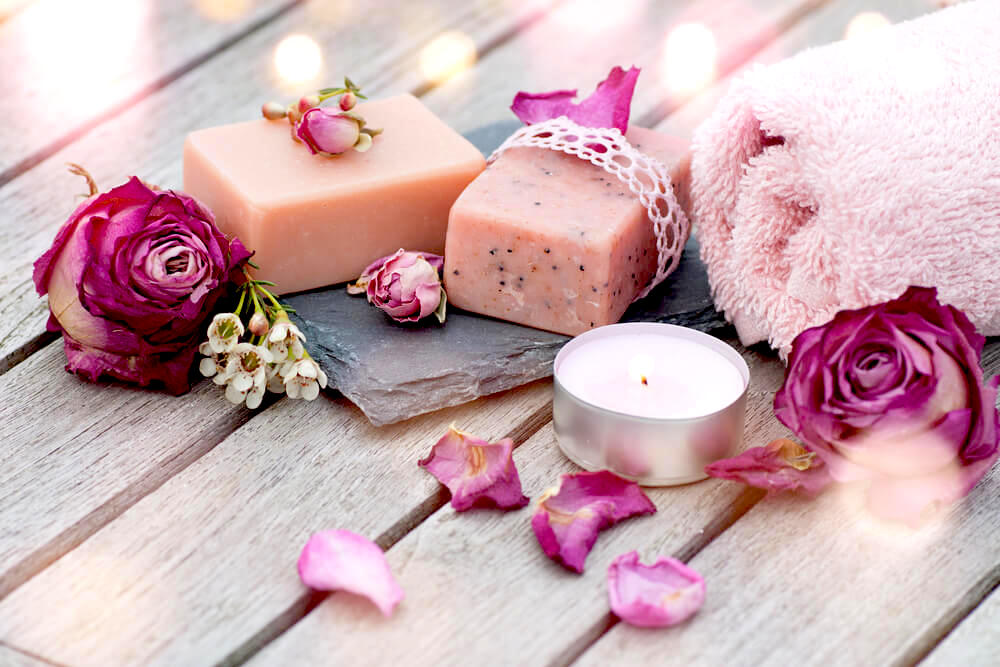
<point>440,312</point>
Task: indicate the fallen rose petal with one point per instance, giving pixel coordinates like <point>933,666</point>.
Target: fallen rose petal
<point>475,471</point>
<point>570,516</point>
<point>781,465</point>
<point>339,560</point>
<point>653,596</point>
<point>608,106</point>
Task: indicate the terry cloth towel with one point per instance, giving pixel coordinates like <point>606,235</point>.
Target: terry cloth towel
<point>839,177</point>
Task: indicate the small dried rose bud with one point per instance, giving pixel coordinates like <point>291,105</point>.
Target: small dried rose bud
<point>273,111</point>
<point>258,324</point>
<point>293,113</point>
<point>307,102</point>
<point>364,142</point>
<point>348,100</point>
<point>326,131</point>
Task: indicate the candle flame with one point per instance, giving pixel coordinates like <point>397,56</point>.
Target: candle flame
<point>640,368</point>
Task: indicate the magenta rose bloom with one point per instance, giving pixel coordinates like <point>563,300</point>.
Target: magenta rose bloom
<point>406,285</point>
<point>328,132</point>
<point>131,278</point>
<point>894,394</point>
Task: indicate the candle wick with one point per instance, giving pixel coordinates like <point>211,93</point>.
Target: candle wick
<point>644,380</point>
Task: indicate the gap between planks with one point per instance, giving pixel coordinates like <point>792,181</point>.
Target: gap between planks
<point>119,503</point>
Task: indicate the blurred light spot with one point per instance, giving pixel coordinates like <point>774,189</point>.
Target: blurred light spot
<point>865,23</point>
<point>222,10</point>
<point>446,56</point>
<point>689,57</point>
<point>298,58</point>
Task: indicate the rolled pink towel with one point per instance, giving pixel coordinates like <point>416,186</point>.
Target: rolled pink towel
<point>839,177</point>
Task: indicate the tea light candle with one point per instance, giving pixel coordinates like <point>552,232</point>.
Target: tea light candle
<point>652,402</point>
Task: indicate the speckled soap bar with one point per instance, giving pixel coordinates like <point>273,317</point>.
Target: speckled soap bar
<point>551,241</point>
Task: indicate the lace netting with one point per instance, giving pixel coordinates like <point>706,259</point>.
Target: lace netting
<point>646,177</point>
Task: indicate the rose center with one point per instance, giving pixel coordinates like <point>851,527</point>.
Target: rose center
<point>178,264</point>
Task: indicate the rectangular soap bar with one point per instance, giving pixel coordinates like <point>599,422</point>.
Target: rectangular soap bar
<point>551,241</point>
<point>317,221</point>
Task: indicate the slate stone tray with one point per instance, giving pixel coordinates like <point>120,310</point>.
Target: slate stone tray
<point>394,371</point>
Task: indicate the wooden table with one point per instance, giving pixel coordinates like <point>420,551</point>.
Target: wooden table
<point>138,528</point>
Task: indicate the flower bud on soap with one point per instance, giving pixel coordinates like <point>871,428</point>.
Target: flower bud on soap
<point>348,100</point>
<point>326,131</point>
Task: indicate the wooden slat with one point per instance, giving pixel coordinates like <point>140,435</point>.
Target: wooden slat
<point>67,64</point>
<point>976,640</point>
<point>577,45</point>
<point>147,140</point>
<point>828,24</point>
<point>205,566</point>
<point>478,585</point>
<point>74,455</point>
<point>823,580</point>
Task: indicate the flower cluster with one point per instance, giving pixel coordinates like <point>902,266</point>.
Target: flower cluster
<point>325,131</point>
<point>273,358</point>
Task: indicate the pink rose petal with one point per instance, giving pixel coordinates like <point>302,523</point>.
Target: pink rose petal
<point>608,106</point>
<point>665,593</point>
<point>781,465</point>
<point>570,516</point>
<point>476,472</point>
<point>339,560</point>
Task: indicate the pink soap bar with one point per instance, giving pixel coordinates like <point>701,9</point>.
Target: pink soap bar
<point>317,221</point>
<point>551,241</point>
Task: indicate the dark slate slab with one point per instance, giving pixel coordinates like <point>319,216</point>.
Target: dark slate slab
<point>394,372</point>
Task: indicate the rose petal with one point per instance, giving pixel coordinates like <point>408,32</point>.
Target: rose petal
<point>781,465</point>
<point>476,472</point>
<point>608,106</point>
<point>570,516</point>
<point>665,593</point>
<point>339,560</point>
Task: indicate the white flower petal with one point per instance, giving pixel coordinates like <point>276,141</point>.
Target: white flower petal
<point>255,397</point>
<point>293,389</point>
<point>208,367</point>
<point>322,378</point>
<point>241,382</point>
<point>233,395</point>
<point>310,391</point>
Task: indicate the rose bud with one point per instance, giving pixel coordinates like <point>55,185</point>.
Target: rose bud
<point>132,278</point>
<point>348,100</point>
<point>258,324</point>
<point>406,285</point>
<point>273,110</point>
<point>307,102</point>
<point>894,394</point>
<point>328,132</point>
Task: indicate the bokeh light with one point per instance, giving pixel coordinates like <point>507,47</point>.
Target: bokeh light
<point>865,23</point>
<point>597,16</point>
<point>298,59</point>
<point>447,55</point>
<point>222,10</point>
<point>689,58</point>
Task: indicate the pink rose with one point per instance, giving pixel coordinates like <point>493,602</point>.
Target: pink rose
<point>406,285</point>
<point>328,132</point>
<point>131,278</point>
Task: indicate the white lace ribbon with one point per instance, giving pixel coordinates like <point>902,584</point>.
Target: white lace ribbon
<point>645,176</point>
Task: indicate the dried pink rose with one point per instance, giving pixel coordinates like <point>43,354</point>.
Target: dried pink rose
<point>608,106</point>
<point>570,515</point>
<point>781,465</point>
<point>132,278</point>
<point>405,285</point>
<point>665,593</point>
<point>339,560</point>
<point>476,472</point>
<point>328,132</point>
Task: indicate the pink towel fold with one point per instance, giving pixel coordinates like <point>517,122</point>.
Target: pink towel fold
<point>839,177</point>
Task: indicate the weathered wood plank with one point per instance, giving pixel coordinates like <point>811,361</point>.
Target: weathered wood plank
<point>561,52</point>
<point>372,46</point>
<point>799,581</point>
<point>202,568</point>
<point>976,640</point>
<point>828,24</point>
<point>10,657</point>
<point>478,585</point>
<point>66,66</point>
<point>74,455</point>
